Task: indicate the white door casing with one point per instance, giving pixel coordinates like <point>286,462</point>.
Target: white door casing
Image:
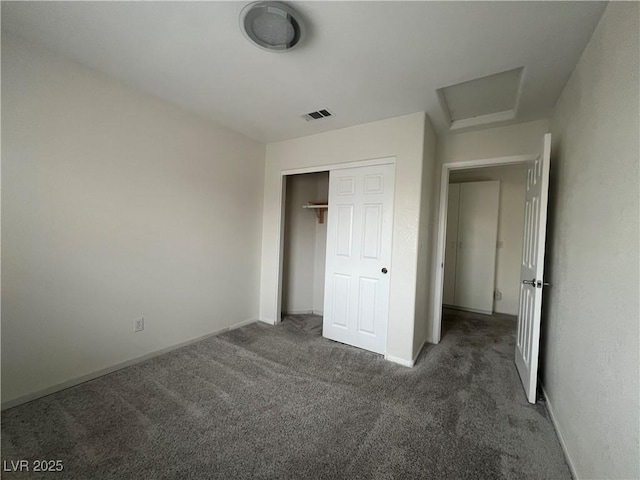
<point>358,260</point>
<point>532,271</point>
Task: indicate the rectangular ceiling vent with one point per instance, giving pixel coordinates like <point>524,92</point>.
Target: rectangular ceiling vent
<point>317,115</point>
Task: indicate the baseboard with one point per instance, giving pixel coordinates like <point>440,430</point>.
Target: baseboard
<point>465,309</point>
<point>399,361</point>
<point>563,444</point>
<point>303,312</point>
<point>403,361</point>
<point>119,366</point>
<point>415,358</point>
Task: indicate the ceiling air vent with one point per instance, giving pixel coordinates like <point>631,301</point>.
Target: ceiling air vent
<point>317,115</point>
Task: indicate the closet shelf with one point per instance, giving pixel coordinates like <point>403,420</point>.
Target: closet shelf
<point>319,207</point>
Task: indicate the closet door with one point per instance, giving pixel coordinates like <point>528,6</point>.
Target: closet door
<point>477,236</point>
<point>451,247</point>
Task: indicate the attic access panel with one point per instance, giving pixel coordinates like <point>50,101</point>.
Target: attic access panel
<point>489,99</point>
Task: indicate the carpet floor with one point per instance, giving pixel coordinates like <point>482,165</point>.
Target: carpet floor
<point>282,402</point>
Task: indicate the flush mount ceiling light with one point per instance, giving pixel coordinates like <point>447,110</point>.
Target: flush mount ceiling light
<point>271,26</point>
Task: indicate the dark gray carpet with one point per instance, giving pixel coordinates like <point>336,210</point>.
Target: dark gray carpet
<point>283,402</point>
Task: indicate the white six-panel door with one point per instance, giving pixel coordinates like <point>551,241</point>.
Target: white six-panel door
<point>358,262</point>
<point>532,271</point>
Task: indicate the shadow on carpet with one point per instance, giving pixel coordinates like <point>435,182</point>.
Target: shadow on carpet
<point>282,402</point>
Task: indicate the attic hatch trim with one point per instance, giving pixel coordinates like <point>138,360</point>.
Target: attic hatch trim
<point>483,119</point>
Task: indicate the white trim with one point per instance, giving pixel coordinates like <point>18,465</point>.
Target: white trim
<point>280,259</point>
<point>303,312</point>
<point>563,444</point>
<point>466,309</point>
<point>415,359</point>
<point>402,361</point>
<point>483,119</point>
<point>399,361</point>
<point>442,223</point>
<point>119,366</point>
<point>339,166</point>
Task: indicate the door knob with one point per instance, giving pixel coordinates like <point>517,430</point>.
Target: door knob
<point>529,282</point>
<point>540,284</point>
<point>384,270</point>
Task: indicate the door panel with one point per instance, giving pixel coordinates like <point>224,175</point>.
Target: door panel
<point>359,231</point>
<point>340,310</point>
<point>344,230</point>
<point>366,308</point>
<point>532,271</point>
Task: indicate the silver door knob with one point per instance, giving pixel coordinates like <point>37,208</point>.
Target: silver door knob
<point>540,284</point>
<point>384,270</point>
<point>529,282</point>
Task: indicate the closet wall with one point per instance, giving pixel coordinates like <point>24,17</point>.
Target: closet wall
<point>305,241</point>
<point>510,229</point>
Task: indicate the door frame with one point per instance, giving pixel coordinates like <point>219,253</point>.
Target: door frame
<point>282,200</point>
<point>442,223</point>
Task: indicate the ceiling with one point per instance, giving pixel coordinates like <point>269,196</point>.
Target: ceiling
<point>363,61</point>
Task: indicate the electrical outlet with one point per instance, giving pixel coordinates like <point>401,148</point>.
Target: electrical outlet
<point>497,295</point>
<point>138,324</point>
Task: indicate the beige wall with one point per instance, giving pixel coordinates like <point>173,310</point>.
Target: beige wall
<point>425,295</point>
<point>520,139</point>
<point>510,228</point>
<point>589,360</point>
<point>115,206</point>
<point>400,137</point>
<point>304,245</point>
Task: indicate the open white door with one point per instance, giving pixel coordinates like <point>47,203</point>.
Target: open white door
<point>357,277</point>
<point>532,271</point>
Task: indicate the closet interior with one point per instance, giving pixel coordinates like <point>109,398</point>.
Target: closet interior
<point>305,243</point>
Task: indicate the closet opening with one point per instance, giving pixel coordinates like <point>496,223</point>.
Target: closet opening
<point>304,248</point>
<point>482,243</point>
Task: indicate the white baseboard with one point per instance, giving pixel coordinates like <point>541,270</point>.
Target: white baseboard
<point>318,312</point>
<point>398,360</point>
<point>420,350</point>
<point>465,309</point>
<point>404,361</point>
<point>119,366</point>
<point>298,312</point>
<point>563,444</point>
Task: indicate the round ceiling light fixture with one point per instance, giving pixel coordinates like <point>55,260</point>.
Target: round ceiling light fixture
<point>272,26</point>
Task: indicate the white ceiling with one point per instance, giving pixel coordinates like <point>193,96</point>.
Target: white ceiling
<point>363,61</point>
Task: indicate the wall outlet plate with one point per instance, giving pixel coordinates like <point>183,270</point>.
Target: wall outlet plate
<point>138,324</point>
